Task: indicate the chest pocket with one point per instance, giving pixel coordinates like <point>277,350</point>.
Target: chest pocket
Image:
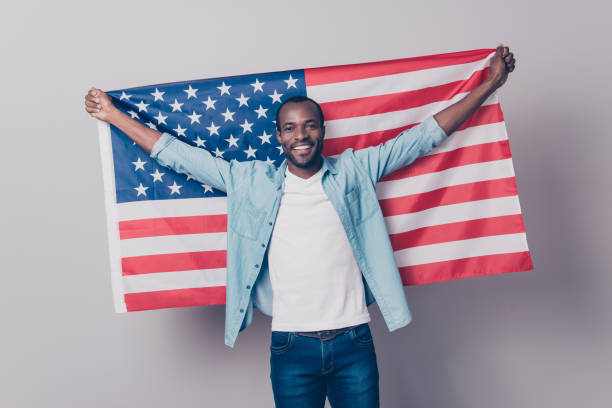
<point>361,205</point>
<point>245,218</point>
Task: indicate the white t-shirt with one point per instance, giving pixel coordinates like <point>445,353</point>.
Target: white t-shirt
<point>315,278</point>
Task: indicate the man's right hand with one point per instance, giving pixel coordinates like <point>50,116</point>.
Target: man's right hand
<point>99,105</point>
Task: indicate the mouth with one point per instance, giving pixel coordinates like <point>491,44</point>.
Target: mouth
<point>302,149</point>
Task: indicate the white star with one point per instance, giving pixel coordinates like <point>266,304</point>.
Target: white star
<point>124,96</point>
<point>290,82</point>
<point>191,92</point>
<point>218,153</point>
<point>210,103</point>
<point>139,164</point>
<point>246,126</point>
<point>257,86</point>
<point>224,88</point>
<point>133,114</point>
<point>179,130</point>
<point>250,152</point>
<point>142,190</point>
<point>280,149</point>
<point>157,176</point>
<point>228,115</point>
<point>161,118</point>
<point>175,189</point>
<point>207,188</point>
<point>158,95</point>
<point>142,106</point>
<point>214,130</point>
<point>176,106</point>
<point>265,138</point>
<point>243,100</point>
<point>269,160</point>
<point>189,176</point>
<point>151,125</point>
<point>194,117</point>
<point>261,112</point>
<point>232,141</point>
<point>199,142</point>
<point>276,97</point>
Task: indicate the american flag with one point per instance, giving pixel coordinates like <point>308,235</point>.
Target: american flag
<point>453,213</point>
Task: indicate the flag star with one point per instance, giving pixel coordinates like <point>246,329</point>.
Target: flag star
<point>207,188</point>
<point>189,176</point>
<point>133,114</point>
<point>139,164</point>
<point>179,130</point>
<point>158,95</point>
<point>250,152</point>
<point>257,86</point>
<point>191,92</point>
<point>246,126</point>
<point>243,100</point>
<point>280,149</point>
<point>210,103</point>
<point>161,118</point>
<point>276,97</point>
<point>290,82</point>
<point>212,129</point>
<point>157,176</point>
<point>269,160</point>
<point>261,112</point>
<point>151,125</point>
<point>228,115</point>
<point>124,96</point>
<point>194,117</point>
<point>218,153</point>
<point>233,141</point>
<point>265,138</point>
<point>142,106</point>
<point>176,106</point>
<point>199,142</point>
<point>142,190</point>
<point>224,88</point>
<point>175,189</point>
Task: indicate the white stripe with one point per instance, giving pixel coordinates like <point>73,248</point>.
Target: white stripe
<point>467,248</point>
<point>112,228</point>
<point>393,83</point>
<point>472,136</point>
<point>469,173</point>
<point>173,244</point>
<point>445,214</point>
<point>186,207</point>
<point>151,282</point>
<point>391,120</point>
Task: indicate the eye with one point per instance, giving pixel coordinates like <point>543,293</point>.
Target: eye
<point>288,128</point>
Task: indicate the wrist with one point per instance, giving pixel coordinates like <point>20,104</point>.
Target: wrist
<point>114,116</point>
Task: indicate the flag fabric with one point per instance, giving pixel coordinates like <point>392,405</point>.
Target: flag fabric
<point>453,213</point>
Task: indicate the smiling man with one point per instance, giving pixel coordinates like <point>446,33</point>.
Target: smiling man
<point>308,245</point>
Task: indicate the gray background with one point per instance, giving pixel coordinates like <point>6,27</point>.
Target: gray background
<point>529,339</point>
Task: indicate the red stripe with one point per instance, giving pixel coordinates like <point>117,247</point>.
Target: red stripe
<point>466,267</point>
<point>340,73</point>
<point>154,227</point>
<point>463,156</point>
<point>462,193</point>
<point>214,295</point>
<point>482,116</point>
<point>455,231</point>
<point>372,105</point>
<point>185,261</point>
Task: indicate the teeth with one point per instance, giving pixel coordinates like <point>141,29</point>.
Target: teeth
<point>301,147</point>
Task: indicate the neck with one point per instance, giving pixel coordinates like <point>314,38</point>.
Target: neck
<point>305,172</point>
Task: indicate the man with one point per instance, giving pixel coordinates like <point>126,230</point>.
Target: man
<point>307,243</point>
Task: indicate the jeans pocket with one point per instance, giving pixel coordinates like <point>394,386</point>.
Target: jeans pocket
<point>280,341</point>
<point>361,335</point>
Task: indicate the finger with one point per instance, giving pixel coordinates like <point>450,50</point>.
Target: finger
<point>509,58</point>
<point>92,98</point>
<point>92,104</point>
<point>94,91</point>
<point>92,110</point>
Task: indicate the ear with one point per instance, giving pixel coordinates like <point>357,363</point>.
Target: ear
<point>323,132</point>
<point>278,137</point>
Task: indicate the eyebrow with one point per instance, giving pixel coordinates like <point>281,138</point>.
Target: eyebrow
<point>307,121</point>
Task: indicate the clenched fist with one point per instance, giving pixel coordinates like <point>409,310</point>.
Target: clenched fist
<point>99,105</point>
<point>502,63</point>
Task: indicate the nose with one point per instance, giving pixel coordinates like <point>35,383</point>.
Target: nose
<point>300,133</point>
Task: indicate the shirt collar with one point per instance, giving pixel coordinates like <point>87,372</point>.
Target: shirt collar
<point>327,165</point>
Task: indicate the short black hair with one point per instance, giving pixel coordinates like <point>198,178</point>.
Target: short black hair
<point>298,99</point>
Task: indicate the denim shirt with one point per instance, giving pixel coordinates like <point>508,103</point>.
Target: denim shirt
<point>254,190</point>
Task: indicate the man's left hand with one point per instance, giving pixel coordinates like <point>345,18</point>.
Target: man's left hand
<point>501,65</point>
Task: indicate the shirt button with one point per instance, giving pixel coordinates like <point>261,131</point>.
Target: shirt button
<point>257,265</point>
<point>269,222</point>
<point>248,286</point>
<point>241,310</point>
<point>263,245</point>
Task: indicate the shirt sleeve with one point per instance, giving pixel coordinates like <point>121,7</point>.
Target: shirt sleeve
<point>402,150</point>
<point>183,158</point>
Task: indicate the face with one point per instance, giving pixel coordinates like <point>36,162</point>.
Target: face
<point>301,134</point>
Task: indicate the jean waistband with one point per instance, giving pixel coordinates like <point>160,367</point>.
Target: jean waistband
<point>327,334</point>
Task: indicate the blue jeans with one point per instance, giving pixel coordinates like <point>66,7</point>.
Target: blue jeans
<point>304,370</point>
